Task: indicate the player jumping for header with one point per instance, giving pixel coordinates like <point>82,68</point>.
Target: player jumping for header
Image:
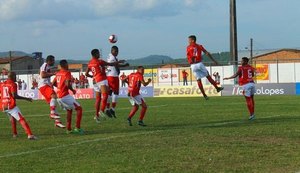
<point>194,57</point>
<point>246,74</point>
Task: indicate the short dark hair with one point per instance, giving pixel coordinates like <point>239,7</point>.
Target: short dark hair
<point>94,52</point>
<point>245,59</point>
<point>63,63</point>
<point>193,37</point>
<point>50,58</point>
<point>140,67</point>
<point>114,48</point>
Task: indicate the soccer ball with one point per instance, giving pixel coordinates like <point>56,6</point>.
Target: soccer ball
<point>113,39</point>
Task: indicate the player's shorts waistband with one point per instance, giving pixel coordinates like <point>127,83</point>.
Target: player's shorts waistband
<point>195,63</point>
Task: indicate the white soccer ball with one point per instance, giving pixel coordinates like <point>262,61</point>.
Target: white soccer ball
<point>113,39</point>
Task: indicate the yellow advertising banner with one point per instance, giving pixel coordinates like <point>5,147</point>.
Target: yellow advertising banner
<point>262,72</point>
<point>151,73</point>
<point>184,91</point>
<point>189,72</point>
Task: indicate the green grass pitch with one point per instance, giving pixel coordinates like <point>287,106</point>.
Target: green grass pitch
<point>183,135</point>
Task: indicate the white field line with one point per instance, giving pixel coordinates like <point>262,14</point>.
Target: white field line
<point>42,115</point>
<point>75,144</point>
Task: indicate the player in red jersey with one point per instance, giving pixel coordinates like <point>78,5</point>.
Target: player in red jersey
<point>246,74</point>
<point>62,81</point>
<point>134,84</point>
<point>46,89</point>
<point>194,57</point>
<point>112,74</point>
<point>9,94</point>
<point>97,67</point>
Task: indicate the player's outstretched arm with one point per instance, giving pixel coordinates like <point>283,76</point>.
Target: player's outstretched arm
<point>210,56</point>
<point>146,83</point>
<point>126,80</point>
<point>68,83</point>
<point>16,96</point>
<point>45,74</point>
<point>87,73</point>
<point>233,76</point>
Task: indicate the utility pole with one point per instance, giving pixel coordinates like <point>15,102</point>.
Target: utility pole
<point>10,61</point>
<point>233,33</point>
<point>251,48</point>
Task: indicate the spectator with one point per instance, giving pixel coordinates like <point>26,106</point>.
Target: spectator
<point>81,80</point>
<point>184,77</point>
<point>217,78</point>
<point>77,83</point>
<point>122,77</point>
<point>86,82</point>
<point>24,85</point>
<point>34,84</point>
<point>19,84</point>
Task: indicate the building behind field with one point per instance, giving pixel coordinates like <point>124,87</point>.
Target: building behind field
<point>278,56</point>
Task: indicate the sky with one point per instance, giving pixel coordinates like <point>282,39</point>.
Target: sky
<point>72,28</point>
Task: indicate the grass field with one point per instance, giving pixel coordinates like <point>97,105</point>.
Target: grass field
<point>183,135</point>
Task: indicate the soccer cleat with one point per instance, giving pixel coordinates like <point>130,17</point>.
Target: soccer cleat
<point>108,113</point>
<point>129,121</point>
<point>54,116</point>
<point>206,97</point>
<point>252,117</point>
<point>78,131</point>
<point>32,137</point>
<point>97,118</point>
<point>102,115</point>
<point>59,125</point>
<point>219,89</point>
<point>113,113</point>
<point>15,135</point>
<point>69,132</point>
<point>141,123</point>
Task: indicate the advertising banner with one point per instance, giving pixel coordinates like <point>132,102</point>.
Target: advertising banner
<point>190,74</point>
<point>80,94</point>
<point>29,93</point>
<point>152,74</point>
<point>184,91</point>
<point>262,89</point>
<point>167,75</point>
<point>145,92</point>
<point>262,72</point>
<point>298,88</point>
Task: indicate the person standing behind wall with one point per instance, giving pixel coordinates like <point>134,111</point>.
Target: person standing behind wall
<point>184,77</point>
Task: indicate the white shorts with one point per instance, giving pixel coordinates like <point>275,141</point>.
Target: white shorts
<point>248,89</point>
<point>68,102</point>
<point>97,86</point>
<point>15,112</point>
<point>199,70</point>
<point>136,100</point>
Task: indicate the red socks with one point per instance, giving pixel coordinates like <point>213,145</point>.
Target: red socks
<point>133,111</point>
<point>250,104</point>
<point>213,82</point>
<point>143,112</point>
<point>199,82</point>
<point>25,125</point>
<point>14,125</point>
<point>79,116</point>
<point>97,104</point>
<point>69,119</point>
<point>114,104</point>
<point>104,101</point>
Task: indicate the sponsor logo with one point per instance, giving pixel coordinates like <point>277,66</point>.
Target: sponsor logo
<point>83,94</point>
<point>184,91</point>
<point>144,91</point>
<point>259,91</point>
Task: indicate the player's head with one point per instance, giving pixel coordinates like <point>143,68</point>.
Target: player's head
<point>64,64</point>
<point>141,69</point>
<point>192,39</point>
<point>50,60</point>
<point>245,60</point>
<point>12,76</point>
<point>114,50</point>
<point>95,53</point>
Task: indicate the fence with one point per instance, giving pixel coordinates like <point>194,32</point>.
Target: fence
<point>171,75</point>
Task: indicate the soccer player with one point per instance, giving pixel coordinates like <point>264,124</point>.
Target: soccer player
<point>97,67</point>
<point>47,91</point>
<point>9,94</point>
<point>112,74</point>
<point>194,57</point>
<point>134,84</point>
<point>62,81</point>
<point>246,74</point>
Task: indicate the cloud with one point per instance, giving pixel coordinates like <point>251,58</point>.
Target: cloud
<point>65,10</point>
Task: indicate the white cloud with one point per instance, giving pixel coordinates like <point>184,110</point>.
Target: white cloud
<point>65,10</point>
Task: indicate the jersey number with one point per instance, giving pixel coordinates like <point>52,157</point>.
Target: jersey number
<point>5,92</point>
